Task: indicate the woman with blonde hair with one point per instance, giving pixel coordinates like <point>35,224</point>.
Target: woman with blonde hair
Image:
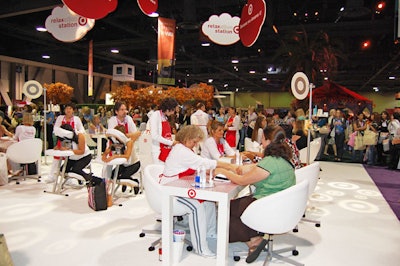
<point>183,161</point>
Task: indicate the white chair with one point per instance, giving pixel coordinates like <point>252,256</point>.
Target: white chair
<point>315,145</point>
<point>25,152</point>
<point>311,174</point>
<point>153,193</point>
<point>278,213</point>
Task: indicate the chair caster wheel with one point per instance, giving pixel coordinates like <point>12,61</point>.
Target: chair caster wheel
<point>295,230</point>
<point>151,248</point>
<point>17,183</point>
<point>66,195</point>
<point>142,234</point>
<point>295,253</point>
<point>317,225</point>
<point>39,180</point>
<point>236,258</point>
<point>189,248</point>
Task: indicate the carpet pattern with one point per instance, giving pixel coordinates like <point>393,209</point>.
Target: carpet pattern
<point>388,182</point>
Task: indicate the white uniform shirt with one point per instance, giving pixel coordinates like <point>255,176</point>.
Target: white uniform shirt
<point>24,132</point>
<point>210,149</point>
<point>78,126</point>
<point>113,122</point>
<point>182,158</point>
<point>200,119</point>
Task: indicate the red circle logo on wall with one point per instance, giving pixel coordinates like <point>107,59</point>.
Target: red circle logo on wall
<point>191,193</point>
<point>251,21</point>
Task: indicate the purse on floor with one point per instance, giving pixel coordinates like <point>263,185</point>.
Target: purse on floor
<point>97,196</point>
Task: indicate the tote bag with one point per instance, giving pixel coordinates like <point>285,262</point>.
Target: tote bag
<point>97,196</point>
<point>370,137</point>
<point>359,143</point>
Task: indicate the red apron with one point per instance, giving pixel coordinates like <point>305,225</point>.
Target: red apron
<point>165,133</point>
<point>230,135</point>
<point>220,148</point>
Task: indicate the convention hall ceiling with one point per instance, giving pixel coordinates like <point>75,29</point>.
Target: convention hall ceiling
<point>295,33</point>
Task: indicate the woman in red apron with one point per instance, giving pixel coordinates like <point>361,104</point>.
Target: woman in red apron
<point>232,128</point>
<point>160,130</point>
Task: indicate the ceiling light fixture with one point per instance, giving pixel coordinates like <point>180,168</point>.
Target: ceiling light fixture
<point>115,51</point>
<point>41,29</point>
<point>210,80</point>
<point>392,77</point>
<point>154,15</point>
<point>45,56</point>
<point>235,61</point>
<point>205,44</point>
<point>252,71</point>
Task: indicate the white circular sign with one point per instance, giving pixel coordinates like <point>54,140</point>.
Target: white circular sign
<point>300,85</point>
<point>32,89</point>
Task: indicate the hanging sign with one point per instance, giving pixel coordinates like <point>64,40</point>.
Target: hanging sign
<point>300,85</point>
<point>94,9</point>
<point>251,21</point>
<point>148,6</point>
<point>166,51</point>
<point>66,26</point>
<point>222,29</point>
<point>32,89</point>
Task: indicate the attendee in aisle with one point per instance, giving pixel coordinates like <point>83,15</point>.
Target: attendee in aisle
<point>76,124</point>
<point>232,128</point>
<point>260,124</point>
<point>339,126</point>
<point>251,121</point>
<point>272,174</point>
<point>221,116</point>
<point>161,132</point>
<point>182,161</point>
<point>50,119</point>
<point>127,170</point>
<point>370,151</point>
<point>394,130</point>
<point>383,134</point>
<point>121,117</point>
<point>301,134</point>
<point>216,146</point>
<point>331,137</point>
<point>359,125</point>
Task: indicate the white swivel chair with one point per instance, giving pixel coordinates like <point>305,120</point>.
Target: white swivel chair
<point>315,145</point>
<point>25,152</point>
<point>153,192</point>
<point>311,174</point>
<point>278,213</point>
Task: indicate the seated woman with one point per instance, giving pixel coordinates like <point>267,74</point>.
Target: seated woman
<point>216,146</point>
<point>272,174</point>
<point>132,165</point>
<point>3,129</point>
<point>183,161</point>
<point>24,131</point>
<point>95,127</point>
<point>75,142</point>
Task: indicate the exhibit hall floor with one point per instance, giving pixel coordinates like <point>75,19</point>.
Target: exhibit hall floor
<point>357,226</point>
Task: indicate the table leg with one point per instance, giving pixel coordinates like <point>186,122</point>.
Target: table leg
<point>167,226</point>
<point>223,231</point>
<point>99,143</point>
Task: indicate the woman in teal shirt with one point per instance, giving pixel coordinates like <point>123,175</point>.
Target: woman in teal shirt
<point>272,174</point>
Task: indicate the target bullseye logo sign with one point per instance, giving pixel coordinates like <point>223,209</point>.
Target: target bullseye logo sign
<point>32,89</point>
<point>300,85</point>
<point>191,193</point>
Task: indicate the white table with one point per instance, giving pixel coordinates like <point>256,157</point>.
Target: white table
<point>221,193</point>
<point>99,138</point>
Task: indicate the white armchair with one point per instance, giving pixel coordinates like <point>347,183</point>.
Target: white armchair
<point>278,213</point>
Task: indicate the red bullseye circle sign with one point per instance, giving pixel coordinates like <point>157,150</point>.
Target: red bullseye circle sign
<point>300,85</point>
<point>191,193</point>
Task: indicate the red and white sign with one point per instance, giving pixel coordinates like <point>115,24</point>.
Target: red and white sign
<point>251,21</point>
<point>148,6</point>
<point>222,29</point>
<point>94,9</point>
<point>191,193</point>
<point>66,26</point>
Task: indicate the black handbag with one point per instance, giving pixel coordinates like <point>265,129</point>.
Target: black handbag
<point>97,196</point>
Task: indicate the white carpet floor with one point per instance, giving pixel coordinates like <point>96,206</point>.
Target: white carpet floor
<point>357,226</point>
